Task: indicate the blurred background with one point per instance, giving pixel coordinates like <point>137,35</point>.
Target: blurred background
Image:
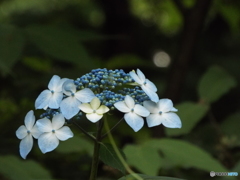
<point>190,49</point>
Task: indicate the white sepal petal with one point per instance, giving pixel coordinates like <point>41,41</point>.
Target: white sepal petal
<point>121,106</point>
<point>69,87</point>
<point>85,95</point>
<point>129,101</point>
<point>141,111</point>
<point>35,131</point>
<point>134,121</point>
<point>58,121</point>
<point>135,77</point>
<point>165,105</point>
<point>21,132</point>
<point>26,145</point>
<point>29,120</point>
<point>95,103</point>
<point>149,84</point>
<point>151,94</point>
<point>94,117</point>
<point>55,100</point>
<point>43,99</point>
<point>53,83</point>
<point>86,108</point>
<point>154,120</point>
<point>64,133</point>
<point>151,106</point>
<point>141,75</point>
<point>69,107</point>
<point>102,109</point>
<point>47,142</point>
<point>44,125</point>
<point>171,120</point>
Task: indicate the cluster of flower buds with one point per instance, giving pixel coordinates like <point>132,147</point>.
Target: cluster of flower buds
<point>94,94</point>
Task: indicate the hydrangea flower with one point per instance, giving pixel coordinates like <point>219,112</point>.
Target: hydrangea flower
<point>134,112</point>
<point>52,96</point>
<point>147,86</point>
<point>52,132</point>
<point>25,133</point>
<point>69,105</point>
<point>94,110</point>
<point>162,112</point>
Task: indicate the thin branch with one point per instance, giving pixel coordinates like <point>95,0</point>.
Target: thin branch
<point>84,132</point>
<point>103,136</point>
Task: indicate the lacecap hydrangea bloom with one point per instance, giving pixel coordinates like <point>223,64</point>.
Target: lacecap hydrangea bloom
<point>95,94</point>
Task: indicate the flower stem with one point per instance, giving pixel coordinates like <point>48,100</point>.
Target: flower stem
<point>95,160</point>
<point>129,170</point>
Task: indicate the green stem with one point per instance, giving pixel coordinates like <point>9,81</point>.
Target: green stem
<point>95,159</point>
<point>118,153</point>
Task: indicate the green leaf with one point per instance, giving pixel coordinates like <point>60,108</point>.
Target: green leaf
<point>75,145</point>
<point>13,168</point>
<point>214,84</point>
<point>186,155</point>
<point>59,43</point>
<point>190,114</point>
<point>109,157</point>
<point>145,159</point>
<point>11,46</point>
<point>230,127</point>
<point>37,64</point>
<point>143,176</point>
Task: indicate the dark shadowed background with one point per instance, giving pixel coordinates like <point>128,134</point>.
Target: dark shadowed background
<point>190,49</point>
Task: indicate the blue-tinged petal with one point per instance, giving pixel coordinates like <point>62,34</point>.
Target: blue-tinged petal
<point>69,87</point>
<point>85,95</point>
<point>165,105</point>
<point>129,101</point>
<point>135,77</point>
<point>44,125</point>
<point>52,85</point>
<point>151,94</point>
<point>171,120</point>
<point>141,75</point>
<point>94,117</point>
<point>25,146</point>
<point>174,109</point>
<point>134,121</point>
<point>154,120</point>
<point>58,121</point>
<point>64,133</point>
<point>85,107</point>
<point>59,88</point>
<point>29,120</point>
<point>151,106</point>
<point>21,132</point>
<point>47,142</point>
<point>95,103</point>
<point>121,106</point>
<point>43,99</point>
<point>149,84</point>
<point>35,131</point>
<point>69,107</point>
<point>55,100</point>
<point>141,111</point>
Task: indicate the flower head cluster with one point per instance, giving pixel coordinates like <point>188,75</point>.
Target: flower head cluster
<point>95,94</point>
